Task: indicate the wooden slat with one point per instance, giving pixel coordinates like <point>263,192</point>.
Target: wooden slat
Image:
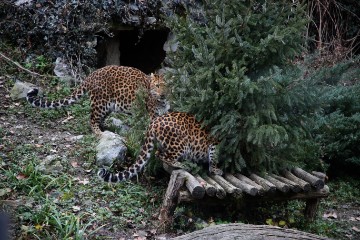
<point>268,186</point>
<point>279,185</point>
<point>242,185</point>
<point>314,181</point>
<point>228,187</point>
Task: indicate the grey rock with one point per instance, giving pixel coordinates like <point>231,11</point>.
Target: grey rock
<point>74,138</point>
<point>20,89</point>
<point>150,20</point>
<point>52,164</point>
<point>62,70</point>
<point>111,147</point>
<point>119,124</point>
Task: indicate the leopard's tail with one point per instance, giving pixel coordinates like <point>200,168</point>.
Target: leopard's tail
<point>35,101</point>
<point>137,167</point>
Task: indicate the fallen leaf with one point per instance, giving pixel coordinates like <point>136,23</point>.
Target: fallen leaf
<point>355,229</point>
<point>76,208</point>
<point>88,170</point>
<point>38,145</point>
<point>20,176</point>
<point>74,164</point>
<point>330,215</point>
<point>282,223</point>
<point>269,221</point>
<point>67,119</point>
<point>84,182</point>
<point>357,218</point>
<point>352,219</point>
<point>38,227</point>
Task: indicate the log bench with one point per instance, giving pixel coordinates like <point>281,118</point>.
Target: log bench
<point>289,185</point>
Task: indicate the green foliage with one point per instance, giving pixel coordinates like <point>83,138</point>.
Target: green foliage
<point>232,70</point>
<point>337,127</point>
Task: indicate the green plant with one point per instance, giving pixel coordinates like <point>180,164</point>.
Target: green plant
<point>232,70</point>
<point>336,127</point>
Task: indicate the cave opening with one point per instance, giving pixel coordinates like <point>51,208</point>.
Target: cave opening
<point>126,48</point>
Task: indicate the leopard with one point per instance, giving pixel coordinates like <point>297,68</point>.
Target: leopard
<point>178,137</point>
<point>111,89</point>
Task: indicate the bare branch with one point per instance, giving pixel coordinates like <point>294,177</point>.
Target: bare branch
<point>19,66</point>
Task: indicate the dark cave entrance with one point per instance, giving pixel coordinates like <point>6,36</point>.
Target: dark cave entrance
<point>127,49</point>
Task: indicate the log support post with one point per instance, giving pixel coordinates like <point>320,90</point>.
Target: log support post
<point>170,199</point>
<point>311,208</point>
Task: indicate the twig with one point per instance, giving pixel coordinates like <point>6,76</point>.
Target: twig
<point>19,66</point>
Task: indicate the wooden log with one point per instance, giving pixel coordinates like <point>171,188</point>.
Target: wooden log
<point>293,186</point>
<point>242,231</point>
<point>177,180</point>
<point>228,187</point>
<point>268,186</point>
<point>197,191</point>
<point>311,207</point>
<point>220,192</point>
<point>195,188</point>
<point>209,189</point>
<point>314,181</point>
<point>279,185</point>
<point>304,185</point>
<point>243,186</point>
<point>185,196</point>
<point>247,180</point>
<point>320,175</point>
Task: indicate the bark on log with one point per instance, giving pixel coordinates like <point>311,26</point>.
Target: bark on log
<point>243,186</point>
<point>228,187</point>
<point>209,189</point>
<point>185,196</point>
<point>314,181</point>
<point>279,185</point>
<point>268,186</point>
<point>195,188</point>
<point>247,180</point>
<point>311,208</point>
<point>248,232</point>
<point>293,186</point>
<point>220,192</point>
<point>320,175</point>
<point>169,202</point>
<point>304,185</point>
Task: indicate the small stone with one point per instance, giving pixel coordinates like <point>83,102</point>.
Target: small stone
<point>20,90</point>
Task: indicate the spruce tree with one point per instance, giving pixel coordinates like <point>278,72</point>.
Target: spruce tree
<point>233,68</point>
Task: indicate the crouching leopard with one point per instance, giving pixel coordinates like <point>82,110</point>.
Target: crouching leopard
<point>179,137</point>
<point>111,89</point>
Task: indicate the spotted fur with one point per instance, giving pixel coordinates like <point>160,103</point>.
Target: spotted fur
<point>111,89</point>
<point>179,137</point>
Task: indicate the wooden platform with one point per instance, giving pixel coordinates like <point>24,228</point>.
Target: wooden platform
<point>289,185</point>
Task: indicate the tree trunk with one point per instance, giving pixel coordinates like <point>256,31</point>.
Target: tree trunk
<point>247,232</point>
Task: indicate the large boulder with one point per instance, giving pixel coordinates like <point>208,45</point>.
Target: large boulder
<point>111,147</point>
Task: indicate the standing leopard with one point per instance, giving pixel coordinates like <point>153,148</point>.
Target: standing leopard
<point>179,137</point>
<point>111,89</point>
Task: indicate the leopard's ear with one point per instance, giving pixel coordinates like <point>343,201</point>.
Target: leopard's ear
<point>152,75</point>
